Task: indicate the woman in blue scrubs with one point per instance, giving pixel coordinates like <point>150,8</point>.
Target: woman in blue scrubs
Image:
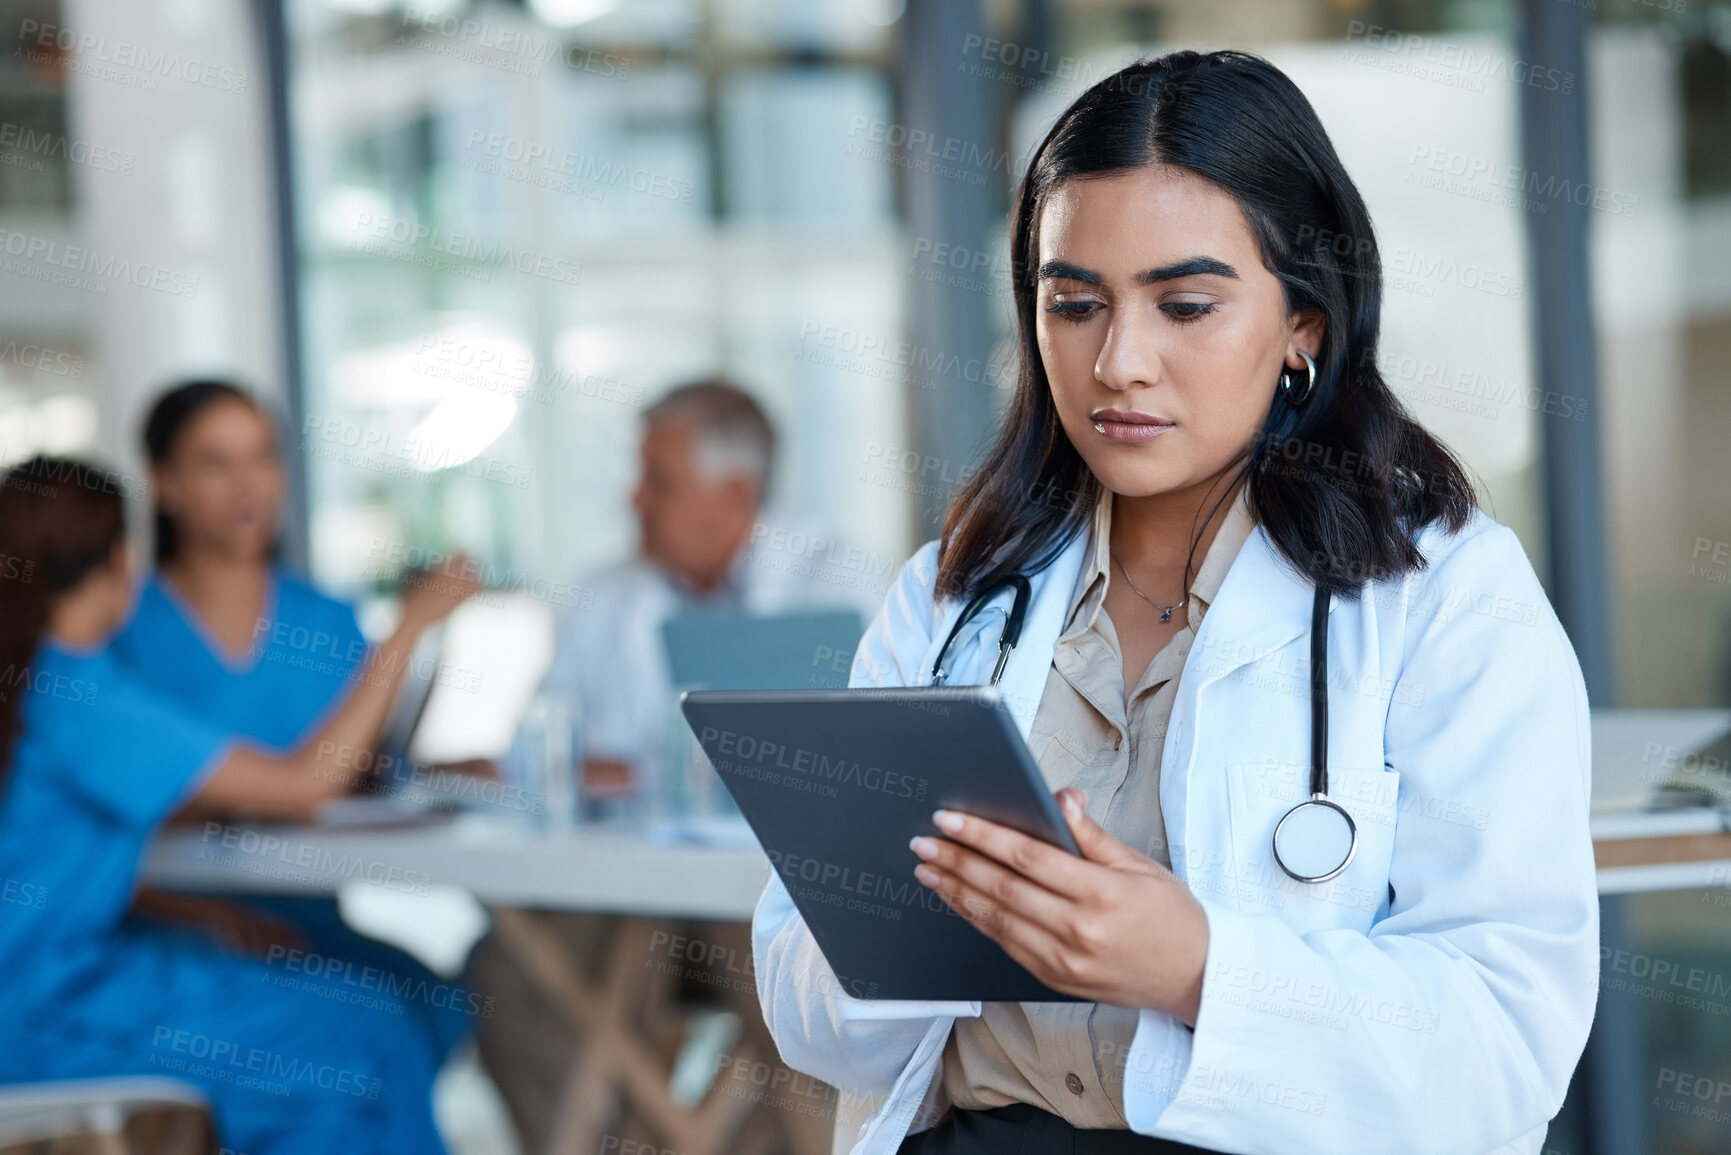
<point>93,760</point>
<point>220,624</point>
<point>226,631</point>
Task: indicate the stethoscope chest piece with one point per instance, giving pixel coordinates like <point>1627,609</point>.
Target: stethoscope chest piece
<point>1315,841</point>
<point>1317,838</point>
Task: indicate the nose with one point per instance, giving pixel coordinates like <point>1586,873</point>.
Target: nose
<point>1130,356</point>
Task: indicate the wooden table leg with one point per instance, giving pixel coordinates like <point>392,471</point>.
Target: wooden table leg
<point>611,1060</point>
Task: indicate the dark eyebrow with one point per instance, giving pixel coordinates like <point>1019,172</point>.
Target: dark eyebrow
<point>1064,270</point>
<point>1189,267</point>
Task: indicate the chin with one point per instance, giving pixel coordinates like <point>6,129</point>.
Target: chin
<point>1142,479</point>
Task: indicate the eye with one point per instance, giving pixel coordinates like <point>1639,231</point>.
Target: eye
<point>1183,312</point>
<point>1073,311</point>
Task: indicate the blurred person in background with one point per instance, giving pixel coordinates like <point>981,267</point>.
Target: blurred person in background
<point>94,759</point>
<point>706,458</point>
<point>707,455</point>
<point>226,632</point>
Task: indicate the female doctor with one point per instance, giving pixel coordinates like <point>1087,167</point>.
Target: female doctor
<point>1253,583</point>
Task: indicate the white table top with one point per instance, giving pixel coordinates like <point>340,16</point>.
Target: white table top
<point>591,869</point>
<point>586,869</point>
<point>610,870</point>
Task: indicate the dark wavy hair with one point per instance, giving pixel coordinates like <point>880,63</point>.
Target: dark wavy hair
<point>168,419</point>
<point>1342,482</point>
<point>59,520</point>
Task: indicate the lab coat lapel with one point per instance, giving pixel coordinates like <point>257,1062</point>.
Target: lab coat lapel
<point>1262,605</point>
<point>1024,679</point>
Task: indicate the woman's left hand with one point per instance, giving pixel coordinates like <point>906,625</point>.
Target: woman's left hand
<point>1113,926</point>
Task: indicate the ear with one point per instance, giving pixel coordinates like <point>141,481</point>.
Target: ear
<point>1308,327</point>
<point>742,489</point>
<point>161,489</point>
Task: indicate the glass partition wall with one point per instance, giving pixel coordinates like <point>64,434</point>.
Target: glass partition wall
<point>519,225</point>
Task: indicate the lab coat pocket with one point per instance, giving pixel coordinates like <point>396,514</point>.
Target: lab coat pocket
<point>1262,793</point>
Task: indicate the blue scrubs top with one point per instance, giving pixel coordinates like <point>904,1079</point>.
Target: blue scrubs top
<point>306,650</point>
<point>100,762</point>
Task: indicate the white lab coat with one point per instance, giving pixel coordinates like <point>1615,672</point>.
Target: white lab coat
<point>1332,1022</point>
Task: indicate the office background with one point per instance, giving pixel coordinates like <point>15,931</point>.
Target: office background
<point>461,245</point>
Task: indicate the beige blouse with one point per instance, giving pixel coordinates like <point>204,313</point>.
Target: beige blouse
<point>1068,1058</point>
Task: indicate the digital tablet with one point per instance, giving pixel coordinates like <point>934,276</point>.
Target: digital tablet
<point>836,782</point>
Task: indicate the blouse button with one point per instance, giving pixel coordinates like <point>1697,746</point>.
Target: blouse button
<point>1074,1082</point>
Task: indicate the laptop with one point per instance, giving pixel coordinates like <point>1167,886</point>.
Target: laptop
<point>736,651</point>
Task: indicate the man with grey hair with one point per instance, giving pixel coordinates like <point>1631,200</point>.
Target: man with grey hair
<point>704,469</point>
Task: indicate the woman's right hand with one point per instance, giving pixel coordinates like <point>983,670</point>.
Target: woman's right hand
<point>431,594</point>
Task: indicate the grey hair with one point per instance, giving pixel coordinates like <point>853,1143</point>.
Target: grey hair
<point>732,435</point>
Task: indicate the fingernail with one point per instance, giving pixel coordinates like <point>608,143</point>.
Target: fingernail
<point>1072,808</point>
<point>926,875</point>
<point>947,820</point>
<point>924,847</point>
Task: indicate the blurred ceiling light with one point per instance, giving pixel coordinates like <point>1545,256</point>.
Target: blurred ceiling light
<point>599,349</point>
<point>570,13</point>
<point>880,12</point>
<point>345,212</point>
<point>363,7</point>
<point>466,376</point>
<point>424,370</point>
<point>458,429</point>
<point>65,423</point>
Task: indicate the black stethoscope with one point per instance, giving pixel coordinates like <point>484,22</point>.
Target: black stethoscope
<point>1316,839</point>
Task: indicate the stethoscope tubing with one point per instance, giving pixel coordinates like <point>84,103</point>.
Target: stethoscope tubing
<point>1022,594</point>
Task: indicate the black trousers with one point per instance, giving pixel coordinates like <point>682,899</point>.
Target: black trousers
<point>1025,1130</point>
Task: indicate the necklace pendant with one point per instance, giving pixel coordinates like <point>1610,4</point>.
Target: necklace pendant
<point>1167,615</point>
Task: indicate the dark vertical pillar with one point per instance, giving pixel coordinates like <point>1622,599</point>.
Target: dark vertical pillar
<point>954,176</point>
<point>1557,178</point>
<point>1555,173</point>
<point>272,30</point>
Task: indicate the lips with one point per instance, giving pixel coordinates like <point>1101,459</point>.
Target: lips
<point>1128,425</point>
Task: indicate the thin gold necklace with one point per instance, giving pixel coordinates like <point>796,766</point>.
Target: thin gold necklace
<point>1165,611</point>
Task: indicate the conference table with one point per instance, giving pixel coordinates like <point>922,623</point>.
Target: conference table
<point>657,889</point>
<point>658,886</point>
